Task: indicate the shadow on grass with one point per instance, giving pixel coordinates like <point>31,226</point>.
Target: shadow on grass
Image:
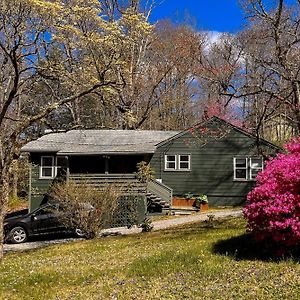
<point>244,247</point>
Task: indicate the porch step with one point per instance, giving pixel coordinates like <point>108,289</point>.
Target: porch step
<point>183,213</point>
<point>183,210</point>
<point>154,202</point>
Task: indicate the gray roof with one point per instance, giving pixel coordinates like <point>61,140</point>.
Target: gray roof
<point>99,142</point>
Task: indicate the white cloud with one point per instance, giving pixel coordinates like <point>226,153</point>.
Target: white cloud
<point>213,36</point>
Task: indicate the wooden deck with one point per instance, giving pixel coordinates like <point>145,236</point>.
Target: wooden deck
<point>125,183</point>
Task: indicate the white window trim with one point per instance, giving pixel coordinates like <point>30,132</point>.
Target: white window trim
<point>248,167</point>
<point>166,162</point>
<point>53,167</point>
<point>235,169</point>
<point>177,162</point>
<point>189,162</point>
<point>255,168</point>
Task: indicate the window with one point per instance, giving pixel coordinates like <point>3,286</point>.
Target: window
<point>47,169</point>
<point>247,168</point>
<point>240,168</point>
<point>256,165</point>
<point>178,162</point>
<point>184,162</point>
<point>52,166</point>
<point>170,162</point>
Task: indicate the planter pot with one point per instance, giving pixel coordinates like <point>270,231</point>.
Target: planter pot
<point>182,202</point>
<point>204,207</point>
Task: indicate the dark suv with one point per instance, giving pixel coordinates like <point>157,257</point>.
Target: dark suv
<point>18,227</point>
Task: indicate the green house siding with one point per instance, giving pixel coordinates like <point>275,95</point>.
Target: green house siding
<point>211,168</point>
<point>39,187</point>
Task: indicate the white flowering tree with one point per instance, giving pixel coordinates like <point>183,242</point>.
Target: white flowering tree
<point>67,49</point>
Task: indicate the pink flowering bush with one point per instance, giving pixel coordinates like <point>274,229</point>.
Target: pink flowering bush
<point>273,206</point>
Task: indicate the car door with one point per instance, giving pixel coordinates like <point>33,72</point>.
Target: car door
<point>44,220</point>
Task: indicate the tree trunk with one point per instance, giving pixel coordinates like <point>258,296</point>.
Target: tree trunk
<point>4,196</point>
<point>15,179</point>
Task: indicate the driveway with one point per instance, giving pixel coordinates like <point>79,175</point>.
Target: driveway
<point>157,225</point>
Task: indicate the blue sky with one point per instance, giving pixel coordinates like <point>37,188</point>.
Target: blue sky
<point>212,15</point>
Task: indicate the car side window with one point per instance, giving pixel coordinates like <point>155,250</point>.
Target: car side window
<point>44,211</point>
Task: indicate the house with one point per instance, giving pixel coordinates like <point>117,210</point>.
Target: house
<point>213,158</point>
<point>94,156</point>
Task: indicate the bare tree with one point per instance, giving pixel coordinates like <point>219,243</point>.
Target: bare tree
<point>258,68</point>
<point>272,50</point>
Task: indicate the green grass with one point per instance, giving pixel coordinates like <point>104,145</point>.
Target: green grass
<point>198,261</point>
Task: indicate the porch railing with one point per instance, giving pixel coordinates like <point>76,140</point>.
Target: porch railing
<point>125,183</point>
<point>161,190</point>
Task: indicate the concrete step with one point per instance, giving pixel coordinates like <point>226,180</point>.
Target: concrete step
<point>183,210</point>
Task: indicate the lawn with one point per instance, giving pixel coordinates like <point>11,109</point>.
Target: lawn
<point>198,261</point>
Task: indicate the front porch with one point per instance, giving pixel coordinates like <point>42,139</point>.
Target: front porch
<point>158,195</point>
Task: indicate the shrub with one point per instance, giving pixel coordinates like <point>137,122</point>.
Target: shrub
<point>144,172</point>
<point>273,206</point>
<point>85,207</point>
<point>146,225</point>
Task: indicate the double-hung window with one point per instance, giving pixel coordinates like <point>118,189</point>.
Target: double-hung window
<point>184,162</point>
<point>178,162</point>
<point>255,166</point>
<point>47,168</point>
<point>170,162</point>
<point>51,166</point>
<point>247,168</point>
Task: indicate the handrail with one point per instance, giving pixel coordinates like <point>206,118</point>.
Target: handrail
<point>163,185</point>
<point>161,190</point>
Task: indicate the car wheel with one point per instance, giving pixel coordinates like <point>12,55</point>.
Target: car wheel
<point>79,233</point>
<point>17,235</point>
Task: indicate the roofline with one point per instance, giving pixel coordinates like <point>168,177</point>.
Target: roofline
<point>180,133</point>
<point>38,151</point>
<point>220,119</point>
<point>87,153</point>
<point>102,153</point>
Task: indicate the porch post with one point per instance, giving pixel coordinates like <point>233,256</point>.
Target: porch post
<point>106,157</point>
